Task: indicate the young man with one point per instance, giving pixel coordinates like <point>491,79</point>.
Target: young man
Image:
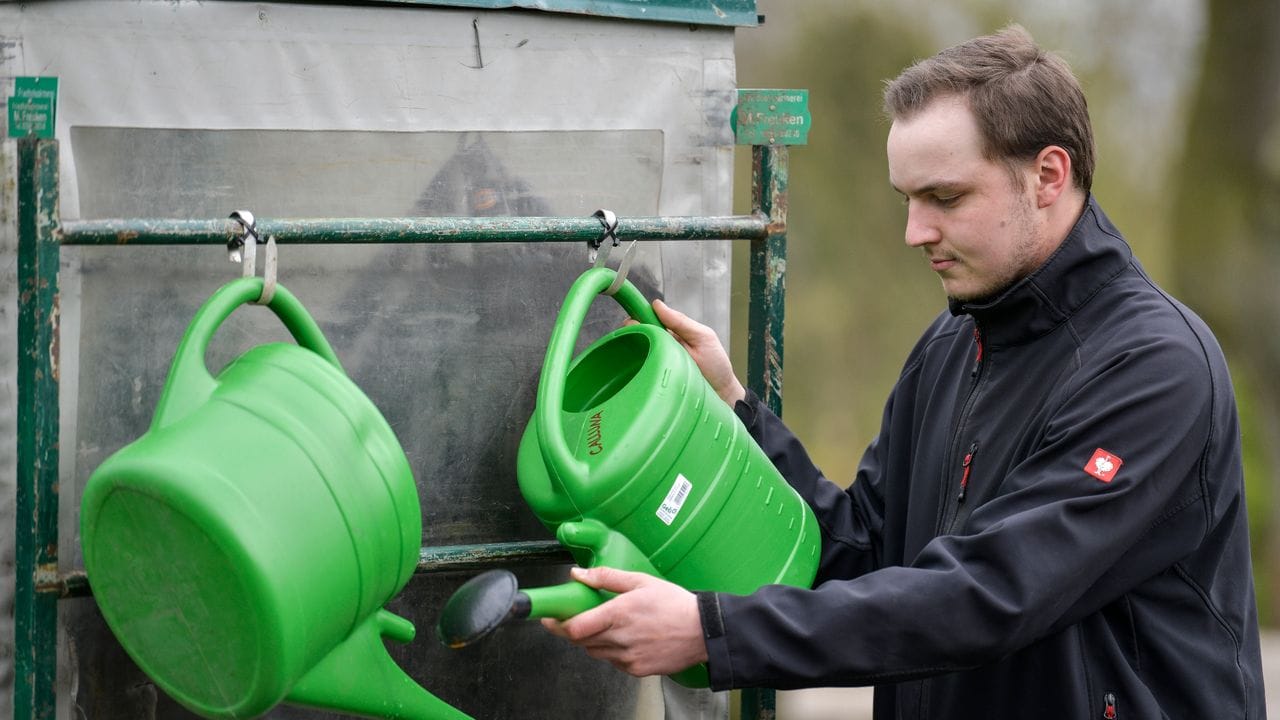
<point>1051,523</point>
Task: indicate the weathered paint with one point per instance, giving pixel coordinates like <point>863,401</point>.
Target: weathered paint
<point>759,704</point>
<point>431,559</point>
<point>765,320</point>
<point>768,275</point>
<point>35,611</point>
<point>486,555</point>
<point>693,12</point>
<point>73,584</point>
<point>410,230</point>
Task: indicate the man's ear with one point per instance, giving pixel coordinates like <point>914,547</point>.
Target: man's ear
<point>1052,175</point>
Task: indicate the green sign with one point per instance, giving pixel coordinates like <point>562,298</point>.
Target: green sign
<point>771,117</point>
<point>33,106</point>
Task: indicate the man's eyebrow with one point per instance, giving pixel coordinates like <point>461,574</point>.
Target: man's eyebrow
<point>943,186</point>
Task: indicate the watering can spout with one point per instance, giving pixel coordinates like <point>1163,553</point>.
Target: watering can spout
<point>360,678</point>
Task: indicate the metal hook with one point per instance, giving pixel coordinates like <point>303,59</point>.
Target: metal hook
<point>243,249</point>
<point>269,273</point>
<point>623,268</point>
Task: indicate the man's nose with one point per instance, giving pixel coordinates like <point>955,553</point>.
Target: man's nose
<point>921,230</point>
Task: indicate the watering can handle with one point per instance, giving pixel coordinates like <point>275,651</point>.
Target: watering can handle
<point>190,382</point>
<point>555,368</point>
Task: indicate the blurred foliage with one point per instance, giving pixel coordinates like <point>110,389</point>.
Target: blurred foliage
<point>1226,240</point>
<point>856,297</point>
<point>1189,156</point>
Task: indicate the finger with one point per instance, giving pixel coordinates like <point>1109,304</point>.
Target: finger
<point>555,627</point>
<point>585,625</point>
<point>672,318</point>
<point>678,325</point>
<point>611,579</point>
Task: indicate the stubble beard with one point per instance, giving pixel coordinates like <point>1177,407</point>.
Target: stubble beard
<point>1024,259</point>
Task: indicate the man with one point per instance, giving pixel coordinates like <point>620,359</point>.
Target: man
<point>1051,523</point>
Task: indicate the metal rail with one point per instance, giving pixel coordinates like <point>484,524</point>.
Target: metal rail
<point>437,559</point>
<point>410,230</point>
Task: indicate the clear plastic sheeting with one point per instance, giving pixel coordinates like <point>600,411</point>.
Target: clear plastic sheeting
<point>446,339</point>
<point>196,109</point>
<point>197,173</point>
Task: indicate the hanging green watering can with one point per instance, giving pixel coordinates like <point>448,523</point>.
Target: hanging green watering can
<point>634,462</point>
<point>242,549</point>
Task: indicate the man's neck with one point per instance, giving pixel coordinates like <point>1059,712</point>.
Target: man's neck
<point>1063,216</point>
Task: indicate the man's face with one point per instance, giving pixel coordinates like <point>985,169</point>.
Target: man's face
<point>979,231</point>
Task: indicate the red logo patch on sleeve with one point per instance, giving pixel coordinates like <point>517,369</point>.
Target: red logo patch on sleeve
<point>1103,465</point>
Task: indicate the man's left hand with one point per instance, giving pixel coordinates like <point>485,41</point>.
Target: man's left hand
<point>651,628</point>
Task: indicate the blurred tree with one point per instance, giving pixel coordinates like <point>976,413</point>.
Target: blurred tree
<point>857,297</point>
<point>1226,238</point>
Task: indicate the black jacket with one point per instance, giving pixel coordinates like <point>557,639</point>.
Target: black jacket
<point>1051,523</point>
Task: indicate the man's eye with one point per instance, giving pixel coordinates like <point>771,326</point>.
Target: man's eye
<point>947,201</point>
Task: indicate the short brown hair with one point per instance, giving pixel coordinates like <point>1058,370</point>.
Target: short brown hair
<point>1023,98</point>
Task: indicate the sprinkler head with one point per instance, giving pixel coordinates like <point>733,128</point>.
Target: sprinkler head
<point>478,607</point>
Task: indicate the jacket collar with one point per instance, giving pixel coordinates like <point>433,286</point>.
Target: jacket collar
<point>1092,254</point>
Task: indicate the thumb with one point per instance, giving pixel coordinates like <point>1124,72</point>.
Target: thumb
<point>610,579</point>
<point>673,319</point>
<point>688,331</point>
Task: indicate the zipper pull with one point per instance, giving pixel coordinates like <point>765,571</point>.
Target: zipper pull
<point>1109,712</point>
<point>967,465</point>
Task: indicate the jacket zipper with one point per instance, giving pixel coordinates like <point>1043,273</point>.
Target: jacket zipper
<point>1109,711</point>
<point>977,360</point>
<point>967,465</point>
<point>945,518</point>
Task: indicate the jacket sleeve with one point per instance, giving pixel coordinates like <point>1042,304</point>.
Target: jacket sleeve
<point>1054,545</point>
<point>850,520</point>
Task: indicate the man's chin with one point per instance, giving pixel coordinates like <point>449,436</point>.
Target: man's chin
<point>962,296</point>
<point>984,296</point>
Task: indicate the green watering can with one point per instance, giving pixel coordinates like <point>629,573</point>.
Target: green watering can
<point>634,462</point>
<point>242,549</point>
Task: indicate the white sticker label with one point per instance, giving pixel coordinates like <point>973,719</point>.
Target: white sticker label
<point>679,492</point>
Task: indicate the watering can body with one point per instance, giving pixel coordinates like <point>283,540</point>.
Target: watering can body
<point>634,461</point>
<point>241,550</point>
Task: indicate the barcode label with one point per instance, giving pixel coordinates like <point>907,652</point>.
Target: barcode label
<point>670,506</point>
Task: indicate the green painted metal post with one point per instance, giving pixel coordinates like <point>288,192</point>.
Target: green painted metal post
<point>35,611</point>
<point>769,120</point>
<point>768,275</point>
<point>765,320</point>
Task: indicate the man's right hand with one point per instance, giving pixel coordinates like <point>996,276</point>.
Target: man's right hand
<point>703,344</point>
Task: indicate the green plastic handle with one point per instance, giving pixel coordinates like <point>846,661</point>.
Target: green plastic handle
<point>190,383</point>
<point>607,547</point>
<point>561,463</point>
<point>562,601</point>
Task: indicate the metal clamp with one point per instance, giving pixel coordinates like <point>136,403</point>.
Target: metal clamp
<point>248,231</point>
<point>609,221</point>
<point>243,249</point>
